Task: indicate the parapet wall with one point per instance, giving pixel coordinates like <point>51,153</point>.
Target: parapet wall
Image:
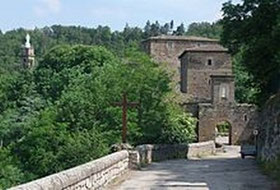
<point>201,149</point>
<point>93,175</point>
<point>151,153</point>
<point>98,173</point>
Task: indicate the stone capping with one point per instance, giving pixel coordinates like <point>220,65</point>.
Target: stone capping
<point>70,177</point>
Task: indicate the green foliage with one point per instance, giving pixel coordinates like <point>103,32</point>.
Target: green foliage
<point>49,147</point>
<point>272,168</point>
<point>10,174</point>
<point>205,29</point>
<point>253,27</point>
<point>245,88</point>
<point>64,108</point>
<point>223,128</point>
<point>53,117</point>
<point>181,127</point>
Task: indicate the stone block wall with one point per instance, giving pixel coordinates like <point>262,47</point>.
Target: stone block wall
<point>196,74</point>
<point>151,153</point>
<point>201,149</point>
<point>166,50</point>
<point>242,118</point>
<point>269,130</point>
<point>92,175</point>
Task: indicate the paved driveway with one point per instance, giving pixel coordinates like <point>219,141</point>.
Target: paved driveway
<point>224,171</point>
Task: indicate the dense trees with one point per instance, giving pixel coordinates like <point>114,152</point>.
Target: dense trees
<point>54,115</point>
<point>252,28</point>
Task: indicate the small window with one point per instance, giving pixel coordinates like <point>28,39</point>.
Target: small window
<point>209,81</point>
<point>209,62</point>
<point>245,118</point>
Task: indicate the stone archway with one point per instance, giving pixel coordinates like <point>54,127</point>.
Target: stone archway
<point>223,132</point>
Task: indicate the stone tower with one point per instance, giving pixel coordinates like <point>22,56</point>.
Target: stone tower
<point>204,84</point>
<point>28,55</point>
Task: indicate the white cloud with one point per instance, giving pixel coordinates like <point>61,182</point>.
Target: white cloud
<point>44,7</point>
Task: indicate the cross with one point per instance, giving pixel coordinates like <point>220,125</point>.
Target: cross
<point>125,105</point>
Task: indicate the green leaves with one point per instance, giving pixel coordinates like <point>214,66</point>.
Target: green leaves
<point>253,26</point>
<point>10,174</point>
<point>62,114</point>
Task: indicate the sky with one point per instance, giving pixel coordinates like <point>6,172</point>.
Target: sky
<point>114,13</point>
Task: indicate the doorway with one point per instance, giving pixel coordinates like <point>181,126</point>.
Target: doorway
<point>223,133</point>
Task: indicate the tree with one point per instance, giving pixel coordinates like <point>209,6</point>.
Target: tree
<point>180,30</point>
<point>165,29</point>
<point>253,26</point>
<point>10,174</point>
<point>155,29</point>
<point>147,29</point>
<point>205,29</point>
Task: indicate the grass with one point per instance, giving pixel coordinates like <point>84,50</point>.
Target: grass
<point>272,169</point>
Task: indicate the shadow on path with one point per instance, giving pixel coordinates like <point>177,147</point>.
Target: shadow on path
<point>225,171</point>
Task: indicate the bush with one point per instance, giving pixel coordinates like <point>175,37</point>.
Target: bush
<point>181,127</point>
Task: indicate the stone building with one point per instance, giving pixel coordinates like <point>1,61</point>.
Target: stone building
<point>28,55</point>
<point>204,80</point>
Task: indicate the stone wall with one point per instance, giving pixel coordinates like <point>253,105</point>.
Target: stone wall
<point>93,175</point>
<point>242,118</point>
<point>97,174</point>
<point>196,74</point>
<point>167,49</point>
<point>269,130</point>
<point>201,149</point>
<point>151,153</point>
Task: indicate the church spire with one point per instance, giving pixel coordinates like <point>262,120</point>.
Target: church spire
<point>27,41</point>
<point>28,56</point>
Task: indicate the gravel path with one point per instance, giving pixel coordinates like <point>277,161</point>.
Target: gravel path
<point>224,171</point>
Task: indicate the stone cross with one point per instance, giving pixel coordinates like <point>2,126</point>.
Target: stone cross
<point>125,105</point>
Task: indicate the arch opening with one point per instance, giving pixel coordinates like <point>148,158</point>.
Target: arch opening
<point>223,133</point>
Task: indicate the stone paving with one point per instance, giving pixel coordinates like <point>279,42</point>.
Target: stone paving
<point>224,171</point>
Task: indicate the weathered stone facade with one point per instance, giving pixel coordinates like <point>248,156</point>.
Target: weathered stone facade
<point>205,84</point>
<point>269,130</point>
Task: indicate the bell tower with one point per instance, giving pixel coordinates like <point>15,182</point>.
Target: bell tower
<point>28,55</point>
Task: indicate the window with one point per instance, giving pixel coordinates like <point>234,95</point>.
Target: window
<point>209,62</point>
<point>245,118</point>
<point>223,91</point>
